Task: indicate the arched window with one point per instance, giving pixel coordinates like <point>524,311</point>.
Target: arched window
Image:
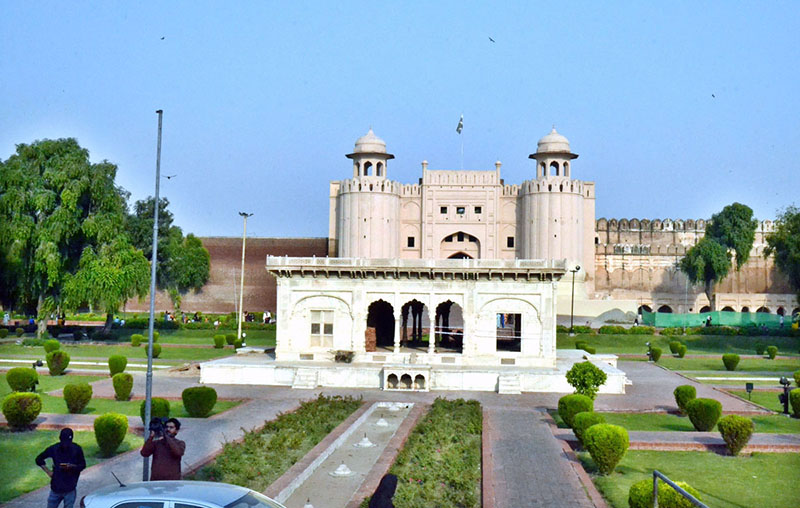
<point>566,169</point>
<point>728,308</point>
<point>379,169</point>
<point>665,309</point>
<point>705,308</point>
<point>643,308</point>
<point>745,309</point>
<point>781,311</point>
<point>358,169</point>
<point>367,169</point>
<point>554,168</point>
<point>763,310</point>
<point>561,187</point>
<point>543,168</point>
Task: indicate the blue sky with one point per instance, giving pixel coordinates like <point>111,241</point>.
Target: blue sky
<point>676,109</point>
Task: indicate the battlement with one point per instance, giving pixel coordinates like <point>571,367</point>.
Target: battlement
<point>688,225</point>
<point>450,177</point>
<point>366,184</point>
<point>556,184</point>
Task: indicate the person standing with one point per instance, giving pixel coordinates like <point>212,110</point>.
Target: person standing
<point>68,462</point>
<point>167,452</point>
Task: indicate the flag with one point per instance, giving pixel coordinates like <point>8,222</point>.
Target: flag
<point>460,125</point>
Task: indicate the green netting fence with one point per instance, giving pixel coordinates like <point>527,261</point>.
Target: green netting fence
<point>718,318</point>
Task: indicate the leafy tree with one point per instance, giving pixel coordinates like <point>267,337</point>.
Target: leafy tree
<point>54,203</point>
<point>734,227</point>
<point>784,243</point>
<point>183,262</point>
<point>707,263</point>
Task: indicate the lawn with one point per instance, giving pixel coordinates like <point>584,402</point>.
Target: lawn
<point>767,399</point>
<point>697,344</point>
<point>50,383</point>
<point>260,338</point>
<point>661,422</point>
<point>102,352</point>
<point>784,366</point>
<point>763,480</point>
<point>18,449</point>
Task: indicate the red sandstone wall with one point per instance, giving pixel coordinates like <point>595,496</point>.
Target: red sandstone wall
<point>219,295</point>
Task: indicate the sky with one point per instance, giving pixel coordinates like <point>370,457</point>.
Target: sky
<point>676,108</point>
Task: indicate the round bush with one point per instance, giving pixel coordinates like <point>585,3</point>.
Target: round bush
<point>672,331</point>
<point>199,400</point>
<point>760,349</point>
<point>137,339</point>
<point>731,361</point>
<point>237,343</point>
<point>682,350</point>
<point>21,408</point>
<point>772,351</point>
<point>3,333</point>
<point>582,421</point>
<point>794,400</point>
<point>109,432</point>
<point>640,495</point>
<point>570,405</point>
<point>606,444</point>
<point>77,396</point>
<point>612,330</point>
<point>230,338</point>
<point>158,408</point>
<point>797,377</point>
<point>586,378</point>
<point>590,349</point>
<point>683,394</point>
<point>580,344</point>
<point>20,332</point>
<point>57,362</point>
<point>736,432</point>
<point>704,413</point>
<point>117,364</point>
<point>641,330</point>
<point>219,341</point>
<point>655,353</point>
<point>22,379</point>
<point>51,345</point>
<point>123,384</point>
<point>674,346</point>
<point>156,350</point>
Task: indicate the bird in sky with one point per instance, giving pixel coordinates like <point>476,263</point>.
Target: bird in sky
<point>713,96</point>
<point>162,38</point>
<point>170,177</point>
<point>491,39</point>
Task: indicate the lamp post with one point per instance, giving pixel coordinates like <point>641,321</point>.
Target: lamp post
<point>572,303</point>
<point>244,215</point>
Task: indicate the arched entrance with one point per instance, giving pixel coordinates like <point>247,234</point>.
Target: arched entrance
<point>380,326</point>
<point>459,245</point>
<point>705,308</point>
<point>449,327</point>
<point>763,310</point>
<point>665,309</point>
<point>728,308</point>
<point>415,324</point>
<point>643,308</point>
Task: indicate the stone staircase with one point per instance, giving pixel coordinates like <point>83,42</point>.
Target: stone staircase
<point>305,379</point>
<point>508,383</point>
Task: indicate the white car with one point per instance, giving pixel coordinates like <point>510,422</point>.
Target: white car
<point>177,494</point>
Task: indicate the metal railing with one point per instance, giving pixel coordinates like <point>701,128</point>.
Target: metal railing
<point>656,475</point>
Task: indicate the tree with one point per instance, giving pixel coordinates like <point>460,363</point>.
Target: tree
<point>734,227</point>
<point>183,263</point>
<point>707,263</point>
<point>54,203</point>
<point>784,243</point>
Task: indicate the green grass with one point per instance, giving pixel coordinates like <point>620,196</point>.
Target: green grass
<point>18,449</point>
<point>99,406</point>
<point>697,344</point>
<point>50,383</point>
<point>263,456</point>
<point>767,399</point>
<point>715,365</point>
<point>661,422</point>
<point>763,480</point>
<point>102,352</point>
<point>260,338</point>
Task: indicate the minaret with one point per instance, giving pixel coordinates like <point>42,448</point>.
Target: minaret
<point>369,157</point>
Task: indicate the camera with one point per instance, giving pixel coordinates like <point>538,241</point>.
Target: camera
<point>158,425</point>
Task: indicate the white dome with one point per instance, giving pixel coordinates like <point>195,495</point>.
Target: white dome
<point>553,143</point>
<point>370,143</point>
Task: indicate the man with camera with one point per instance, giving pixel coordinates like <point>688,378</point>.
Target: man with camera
<point>68,462</point>
<point>165,448</point>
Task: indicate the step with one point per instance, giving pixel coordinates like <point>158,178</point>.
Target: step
<point>509,384</point>
<point>305,379</point>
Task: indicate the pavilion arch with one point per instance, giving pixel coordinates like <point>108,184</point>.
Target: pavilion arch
<point>705,308</point>
<point>321,310</point>
<point>414,316</point>
<point>448,326</point>
<point>380,322</point>
<point>554,169</point>
<point>643,308</point>
<point>763,310</point>
<point>745,309</point>
<point>379,169</point>
<point>367,169</point>
<point>666,309</point>
<point>781,311</point>
<point>522,335</point>
<point>728,308</point>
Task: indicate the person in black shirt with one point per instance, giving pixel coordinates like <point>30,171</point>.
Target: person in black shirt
<point>68,462</point>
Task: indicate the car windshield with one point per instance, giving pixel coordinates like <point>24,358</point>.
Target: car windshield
<point>253,500</point>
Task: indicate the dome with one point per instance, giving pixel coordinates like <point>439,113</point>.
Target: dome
<point>370,143</point>
<point>553,143</point>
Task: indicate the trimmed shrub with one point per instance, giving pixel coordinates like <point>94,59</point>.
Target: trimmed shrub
<point>641,330</point>
<point>794,400</point>
<point>562,329</point>
<point>736,431</point>
<point>230,338</point>
<point>655,353</point>
<point>158,408</point>
<point>682,351</point>
<point>640,495</point>
<point>237,343</point>
<point>797,377</point>
<point>683,394</point>
<point>704,413</point>
<point>730,360</point>
<point>51,345</point>
<point>591,350</point>
<point>219,341</point>
<point>772,351</point>
<point>156,336</point>
<point>606,444</point>
<point>21,408</point>
<point>57,362</point>
<point>199,400</point>
<point>156,350</point>
<point>137,339</point>
<point>117,364</point>
<point>3,333</point>
<point>580,344</point>
<point>761,348</point>
<point>22,379</point>
<point>570,405</point>
<point>674,346</point>
<point>77,396</point>
<point>123,384</point>
<point>583,329</point>
<point>582,421</point>
<point>20,332</point>
<point>109,432</point>
<point>612,330</point>
<point>586,378</point>
<point>672,331</point>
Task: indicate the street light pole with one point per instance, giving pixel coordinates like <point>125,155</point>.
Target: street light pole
<point>244,215</point>
<point>572,304</point>
<point>148,391</point>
